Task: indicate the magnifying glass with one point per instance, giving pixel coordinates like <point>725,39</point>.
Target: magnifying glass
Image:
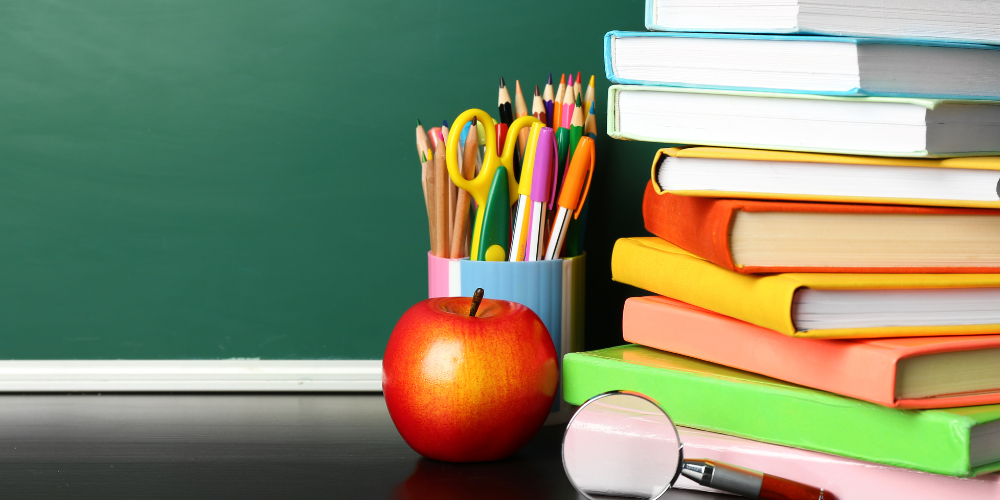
<point>623,445</point>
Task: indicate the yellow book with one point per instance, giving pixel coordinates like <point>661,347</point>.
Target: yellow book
<point>816,305</point>
<point>784,175</point>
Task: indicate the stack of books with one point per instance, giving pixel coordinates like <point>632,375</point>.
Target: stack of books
<point>827,240</point>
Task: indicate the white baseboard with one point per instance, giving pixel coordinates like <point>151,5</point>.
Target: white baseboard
<point>229,375</point>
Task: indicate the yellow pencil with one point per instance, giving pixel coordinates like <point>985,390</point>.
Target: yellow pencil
<point>588,98</point>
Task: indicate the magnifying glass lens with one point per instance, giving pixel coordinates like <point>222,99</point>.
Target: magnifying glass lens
<point>621,446</point>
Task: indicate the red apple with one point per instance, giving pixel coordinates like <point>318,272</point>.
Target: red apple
<point>469,389</point>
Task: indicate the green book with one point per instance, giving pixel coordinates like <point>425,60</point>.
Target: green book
<point>954,441</point>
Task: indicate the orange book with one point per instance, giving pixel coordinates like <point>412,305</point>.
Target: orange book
<point>905,372</point>
<point>759,236</point>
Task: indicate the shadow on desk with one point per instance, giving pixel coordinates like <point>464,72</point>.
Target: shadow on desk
<point>340,446</point>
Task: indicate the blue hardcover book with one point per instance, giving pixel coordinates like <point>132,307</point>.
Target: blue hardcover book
<point>840,66</point>
<point>972,21</point>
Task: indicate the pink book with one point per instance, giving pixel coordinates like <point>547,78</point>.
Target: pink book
<point>904,372</point>
<point>845,478</point>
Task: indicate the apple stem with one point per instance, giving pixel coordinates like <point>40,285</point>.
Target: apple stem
<point>476,299</point>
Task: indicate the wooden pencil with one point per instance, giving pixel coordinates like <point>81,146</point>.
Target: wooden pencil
<point>590,126</point>
<point>520,106</point>
<point>538,107</point>
<point>588,98</point>
<point>504,105</point>
<point>578,88</point>
<point>440,202</point>
<point>557,104</point>
<point>548,98</point>
<point>422,146</point>
<point>570,91</point>
<point>431,205</point>
<point>435,136</point>
<point>568,103</point>
<point>520,109</point>
<point>452,188</point>
<point>575,128</point>
<point>461,227</point>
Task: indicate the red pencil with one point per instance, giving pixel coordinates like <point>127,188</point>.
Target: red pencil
<point>557,104</point>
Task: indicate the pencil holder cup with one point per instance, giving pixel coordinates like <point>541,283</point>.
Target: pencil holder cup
<point>553,289</point>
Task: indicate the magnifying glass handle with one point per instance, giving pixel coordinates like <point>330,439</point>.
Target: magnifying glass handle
<point>748,483</point>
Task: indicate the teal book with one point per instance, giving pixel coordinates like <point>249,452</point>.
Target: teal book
<point>825,65</point>
<point>956,441</point>
<point>879,126</point>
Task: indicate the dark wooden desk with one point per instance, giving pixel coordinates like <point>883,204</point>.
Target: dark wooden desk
<point>247,446</point>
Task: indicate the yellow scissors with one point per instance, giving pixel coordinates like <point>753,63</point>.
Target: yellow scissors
<point>479,187</point>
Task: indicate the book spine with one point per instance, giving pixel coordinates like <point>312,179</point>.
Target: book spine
<point>695,281</point>
<point>609,56</point>
<point>931,441</point>
<point>612,127</point>
<point>698,225</point>
<point>651,15</point>
<point>845,478</point>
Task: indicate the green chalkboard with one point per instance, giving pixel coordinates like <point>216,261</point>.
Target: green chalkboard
<point>205,179</point>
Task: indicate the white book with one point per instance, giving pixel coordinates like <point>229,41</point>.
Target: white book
<point>975,21</point>
<point>882,126</point>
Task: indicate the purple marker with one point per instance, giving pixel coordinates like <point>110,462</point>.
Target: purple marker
<point>541,192</point>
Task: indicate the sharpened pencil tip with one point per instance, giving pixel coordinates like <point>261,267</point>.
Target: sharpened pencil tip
<point>502,83</point>
<point>563,79</point>
<point>474,118</point>
<point>536,90</point>
<point>591,80</point>
<point>550,79</point>
<point>444,122</point>
<point>579,102</point>
<point>578,77</point>
<point>418,123</point>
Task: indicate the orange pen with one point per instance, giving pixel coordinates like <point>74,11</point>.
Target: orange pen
<point>574,191</point>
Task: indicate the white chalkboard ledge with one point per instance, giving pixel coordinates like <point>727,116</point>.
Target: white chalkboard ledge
<point>228,375</point>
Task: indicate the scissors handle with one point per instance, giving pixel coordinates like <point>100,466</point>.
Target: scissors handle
<point>507,158</point>
<point>479,186</point>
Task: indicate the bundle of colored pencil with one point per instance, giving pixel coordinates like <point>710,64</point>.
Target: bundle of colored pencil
<point>567,110</point>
